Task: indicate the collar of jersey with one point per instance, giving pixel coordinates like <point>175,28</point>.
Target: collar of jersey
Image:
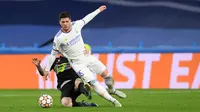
<point>66,32</point>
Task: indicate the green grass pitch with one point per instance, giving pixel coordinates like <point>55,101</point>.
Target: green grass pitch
<point>137,100</point>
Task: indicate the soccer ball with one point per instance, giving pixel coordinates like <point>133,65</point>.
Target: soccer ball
<point>45,101</point>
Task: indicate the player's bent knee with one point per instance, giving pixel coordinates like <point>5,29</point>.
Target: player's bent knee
<point>66,101</point>
<point>77,82</point>
<point>104,73</point>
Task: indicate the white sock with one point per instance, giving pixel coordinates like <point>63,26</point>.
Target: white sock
<point>102,92</point>
<point>109,82</point>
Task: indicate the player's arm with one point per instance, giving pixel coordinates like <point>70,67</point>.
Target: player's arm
<point>52,56</point>
<point>39,68</point>
<point>90,16</point>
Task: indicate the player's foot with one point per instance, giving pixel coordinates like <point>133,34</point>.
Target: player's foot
<point>89,93</point>
<point>93,104</point>
<point>89,104</point>
<point>117,104</point>
<point>118,93</point>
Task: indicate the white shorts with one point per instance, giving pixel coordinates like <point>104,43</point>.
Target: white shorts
<point>87,66</point>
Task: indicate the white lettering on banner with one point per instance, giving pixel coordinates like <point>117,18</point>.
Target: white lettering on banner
<point>196,82</point>
<point>179,71</point>
<point>49,84</point>
<point>44,84</point>
<point>125,71</point>
<point>148,58</point>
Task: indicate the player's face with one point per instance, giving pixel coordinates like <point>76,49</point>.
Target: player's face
<point>65,23</point>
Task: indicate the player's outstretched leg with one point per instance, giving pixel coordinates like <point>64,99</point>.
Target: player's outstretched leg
<point>88,89</point>
<point>103,93</point>
<point>99,68</point>
<point>83,88</point>
<point>110,83</point>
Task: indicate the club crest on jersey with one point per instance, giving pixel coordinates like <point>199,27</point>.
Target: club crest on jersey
<point>65,39</point>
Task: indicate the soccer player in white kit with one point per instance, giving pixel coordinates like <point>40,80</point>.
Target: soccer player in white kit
<point>69,42</point>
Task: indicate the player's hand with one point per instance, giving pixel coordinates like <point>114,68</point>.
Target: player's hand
<point>46,75</point>
<point>36,61</point>
<point>87,52</point>
<point>102,8</point>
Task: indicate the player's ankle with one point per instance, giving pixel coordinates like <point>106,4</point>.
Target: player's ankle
<point>113,100</point>
<point>111,90</point>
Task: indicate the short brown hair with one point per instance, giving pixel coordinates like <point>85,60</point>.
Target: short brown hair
<point>64,15</point>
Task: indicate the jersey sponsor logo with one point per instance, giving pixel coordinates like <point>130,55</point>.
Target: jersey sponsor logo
<point>74,40</point>
<point>61,67</point>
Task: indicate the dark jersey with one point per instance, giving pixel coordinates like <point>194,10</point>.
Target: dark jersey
<point>63,70</point>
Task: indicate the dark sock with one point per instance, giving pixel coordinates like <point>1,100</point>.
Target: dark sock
<point>82,89</point>
<point>89,104</point>
<point>77,104</point>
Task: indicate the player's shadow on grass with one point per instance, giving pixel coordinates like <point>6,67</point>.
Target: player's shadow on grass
<point>100,106</point>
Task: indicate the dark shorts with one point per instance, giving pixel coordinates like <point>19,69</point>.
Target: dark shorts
<point>68,91</point>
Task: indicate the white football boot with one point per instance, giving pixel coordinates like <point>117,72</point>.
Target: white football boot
<point>117,104</point>
<point>118,93</point>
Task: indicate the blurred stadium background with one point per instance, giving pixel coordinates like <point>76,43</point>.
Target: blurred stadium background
<point>146,44</point>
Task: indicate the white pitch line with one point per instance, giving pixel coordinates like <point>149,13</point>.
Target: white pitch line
<point>128,92</point>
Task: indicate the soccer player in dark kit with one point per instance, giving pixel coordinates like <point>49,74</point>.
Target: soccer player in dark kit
<point>70,85</point>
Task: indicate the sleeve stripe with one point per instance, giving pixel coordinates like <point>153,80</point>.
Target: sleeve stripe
<point>83,21</point>
<point>55,50</point>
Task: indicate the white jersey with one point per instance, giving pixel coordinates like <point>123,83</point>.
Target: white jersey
<point>70,44</point>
